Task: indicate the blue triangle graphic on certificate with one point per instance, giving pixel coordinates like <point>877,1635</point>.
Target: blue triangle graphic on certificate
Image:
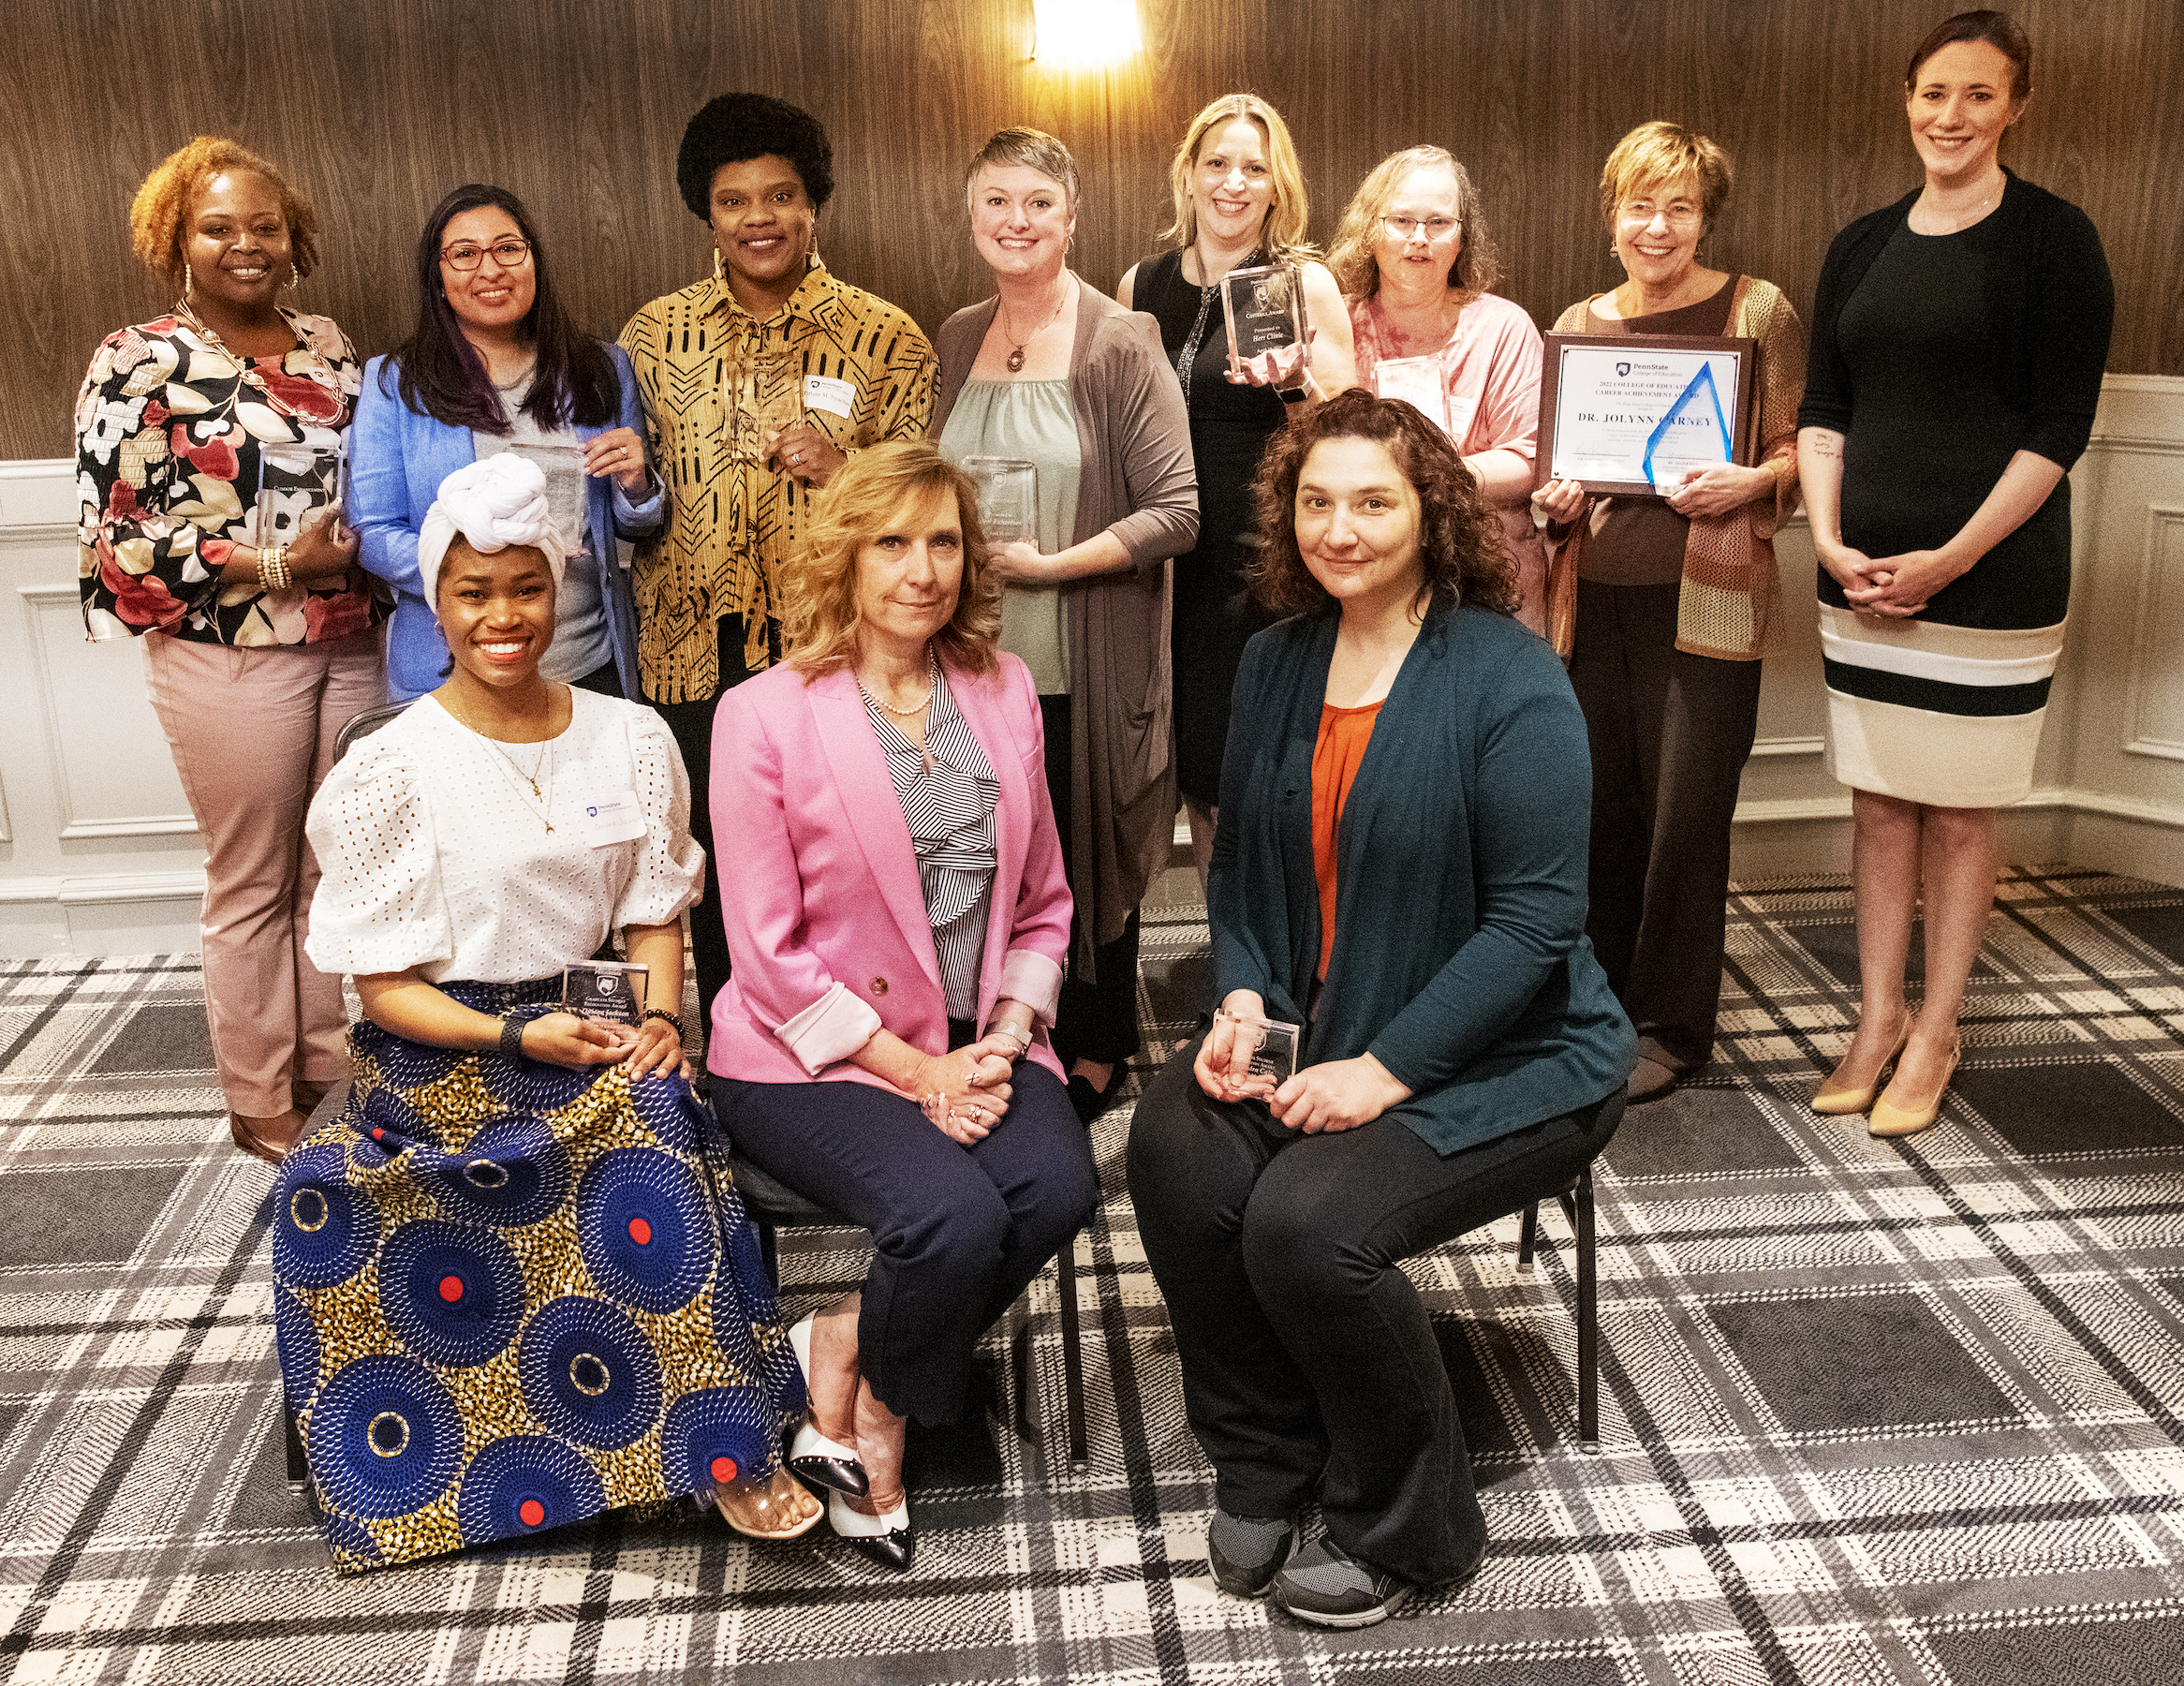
<point>1704,378</point>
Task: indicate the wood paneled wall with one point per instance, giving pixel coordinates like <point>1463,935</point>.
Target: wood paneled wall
<point>377,107</point>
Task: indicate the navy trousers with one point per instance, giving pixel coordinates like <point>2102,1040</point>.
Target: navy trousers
<point>957,1232</point>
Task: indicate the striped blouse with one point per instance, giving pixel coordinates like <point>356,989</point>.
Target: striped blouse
<point>948,791</point>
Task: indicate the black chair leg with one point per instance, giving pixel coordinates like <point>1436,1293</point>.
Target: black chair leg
<point>299,1466</point>
<point>1529,1236</point>
<point>1073,1356</point>
<point>768,1254</point>
<point>1589,1339</point>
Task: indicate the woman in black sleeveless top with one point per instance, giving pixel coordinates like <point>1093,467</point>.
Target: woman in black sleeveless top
<point>1239,200</point>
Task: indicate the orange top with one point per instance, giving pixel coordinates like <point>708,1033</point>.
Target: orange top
<point>1344,733</point>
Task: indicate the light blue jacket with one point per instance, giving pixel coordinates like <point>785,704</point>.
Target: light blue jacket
<point>397,459</point>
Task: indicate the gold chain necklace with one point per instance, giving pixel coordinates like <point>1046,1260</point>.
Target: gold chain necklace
<point>249,376</point>
<point>543,802</point>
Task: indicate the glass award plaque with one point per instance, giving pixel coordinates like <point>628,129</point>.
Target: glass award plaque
<point>1263,1054</point>
<point>611,991</point>
<point>1266,309</point>
<point>1007,496</point>
<point>1418,382</point>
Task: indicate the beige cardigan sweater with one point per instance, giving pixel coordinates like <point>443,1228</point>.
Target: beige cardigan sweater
<point>1138,481</point>
<point>1731,595</point>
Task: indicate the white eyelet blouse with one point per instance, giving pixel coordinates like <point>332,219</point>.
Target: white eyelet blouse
<point>433,852</point>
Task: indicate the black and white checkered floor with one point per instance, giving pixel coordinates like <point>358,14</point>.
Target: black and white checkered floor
<point>1873,1413</point>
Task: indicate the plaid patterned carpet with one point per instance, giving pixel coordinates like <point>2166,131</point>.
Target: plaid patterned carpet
<point>1873,1413</point>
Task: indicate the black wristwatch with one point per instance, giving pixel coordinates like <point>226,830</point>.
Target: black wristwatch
<point>1295,395</point>
<point>511,1036</point>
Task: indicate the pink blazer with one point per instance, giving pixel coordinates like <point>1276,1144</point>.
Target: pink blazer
<point>820,892</point>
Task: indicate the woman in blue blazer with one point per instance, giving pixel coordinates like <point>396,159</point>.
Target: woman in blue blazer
<point>1399,869</point>
<point>496,363</point>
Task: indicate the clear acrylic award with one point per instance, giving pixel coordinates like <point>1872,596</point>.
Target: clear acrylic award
<point>611,991</point>
<point>1007,496</point>
<point>1266,309</point>
<point>1263,1055</point>
<point>1418,382</point>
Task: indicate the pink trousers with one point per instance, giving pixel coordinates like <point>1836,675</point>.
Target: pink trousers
<point>253,731</point>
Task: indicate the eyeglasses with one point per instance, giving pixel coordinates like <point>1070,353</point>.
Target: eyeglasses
<point>510,253</point>
<point>1433,227</point>
<point>1638,213</point>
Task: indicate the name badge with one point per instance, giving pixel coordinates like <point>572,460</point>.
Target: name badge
<point>824,392</point>
<point>614,819</point>
<point>1461,410</point>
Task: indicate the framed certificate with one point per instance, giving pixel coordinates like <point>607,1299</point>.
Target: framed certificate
<point>1630,414</point>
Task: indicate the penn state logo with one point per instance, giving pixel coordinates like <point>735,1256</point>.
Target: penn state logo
<point>1622,368</point>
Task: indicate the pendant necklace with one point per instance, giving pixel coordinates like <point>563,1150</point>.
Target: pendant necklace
<point>542,800</point>
<point>1016,351</point>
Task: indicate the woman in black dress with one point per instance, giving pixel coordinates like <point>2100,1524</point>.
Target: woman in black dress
<point>1239,200</point>
<point>1958,338</point>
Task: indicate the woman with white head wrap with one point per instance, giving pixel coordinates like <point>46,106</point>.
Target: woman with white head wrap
<point>498,832</point>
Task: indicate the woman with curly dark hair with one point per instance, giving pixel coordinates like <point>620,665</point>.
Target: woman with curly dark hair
<point>1399,871</point>
<point>758,381</point>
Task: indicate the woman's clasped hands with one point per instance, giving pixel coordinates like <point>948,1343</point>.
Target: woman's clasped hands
<point>966,1090</point>
<point>1335,1095</point>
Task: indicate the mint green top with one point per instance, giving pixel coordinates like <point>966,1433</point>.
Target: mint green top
<point>1032,419</point>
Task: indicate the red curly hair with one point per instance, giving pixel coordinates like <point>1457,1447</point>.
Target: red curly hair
<point>161,207</point>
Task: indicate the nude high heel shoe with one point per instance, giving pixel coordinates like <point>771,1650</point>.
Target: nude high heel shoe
<point>1836,1098</point>
<point>1891,1117</point>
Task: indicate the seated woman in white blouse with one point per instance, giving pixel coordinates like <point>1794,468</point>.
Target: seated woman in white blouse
<point>504,1273</point>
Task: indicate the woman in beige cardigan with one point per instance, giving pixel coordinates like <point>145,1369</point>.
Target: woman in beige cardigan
<point>1663,605</point>
<point>1052,372</point>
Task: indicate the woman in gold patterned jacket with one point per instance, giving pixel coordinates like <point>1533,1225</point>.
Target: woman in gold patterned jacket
<point>758,381</point>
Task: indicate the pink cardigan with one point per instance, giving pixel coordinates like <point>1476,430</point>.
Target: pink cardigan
<point>825,916</point>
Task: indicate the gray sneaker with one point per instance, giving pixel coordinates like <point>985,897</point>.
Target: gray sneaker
<point>1324,1584</point>
<point>1245,1551</point>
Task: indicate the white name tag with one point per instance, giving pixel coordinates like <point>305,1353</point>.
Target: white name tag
<point>824,392</point>
<point>612,819</point>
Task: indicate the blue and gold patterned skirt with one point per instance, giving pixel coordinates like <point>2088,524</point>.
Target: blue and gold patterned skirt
<point>510,1296</point>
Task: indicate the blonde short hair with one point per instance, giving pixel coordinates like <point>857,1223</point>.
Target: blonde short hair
<point>1357,272</point>
<point>1290,215</point>
<point>1655,153</point>
<point>157,215</point>
<point>1030,149</point>
<point>869,495</point>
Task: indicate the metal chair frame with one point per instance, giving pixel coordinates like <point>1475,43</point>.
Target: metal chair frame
<point>1576,1203</point>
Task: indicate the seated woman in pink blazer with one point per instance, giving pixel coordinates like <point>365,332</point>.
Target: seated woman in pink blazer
<point>897,918</point>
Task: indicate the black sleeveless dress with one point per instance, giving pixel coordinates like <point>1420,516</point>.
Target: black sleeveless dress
<point>1215,616</point>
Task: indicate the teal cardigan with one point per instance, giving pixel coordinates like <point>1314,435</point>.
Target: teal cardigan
<point>1460,957</point>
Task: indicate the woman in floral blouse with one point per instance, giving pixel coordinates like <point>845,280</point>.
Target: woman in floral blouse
<point>206,448</point>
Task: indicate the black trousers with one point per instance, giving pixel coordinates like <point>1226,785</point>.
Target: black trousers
<point>1669,733</point>
<point>1309,1364</point>
<point>1097,1021</point>
<point>692,726</point>
<point>957,1232</point>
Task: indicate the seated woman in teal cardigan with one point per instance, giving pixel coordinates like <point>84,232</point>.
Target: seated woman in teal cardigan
<point>1401,869</point>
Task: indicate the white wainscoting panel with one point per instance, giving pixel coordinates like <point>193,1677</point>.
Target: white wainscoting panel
<point>98,853</point>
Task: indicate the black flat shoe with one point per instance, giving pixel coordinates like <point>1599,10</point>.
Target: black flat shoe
<point>889,1541</point>
<point>1088,1102</point>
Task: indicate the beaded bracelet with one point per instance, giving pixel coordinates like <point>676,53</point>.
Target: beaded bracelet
<point>664,1017</point>
<point>273,568</point>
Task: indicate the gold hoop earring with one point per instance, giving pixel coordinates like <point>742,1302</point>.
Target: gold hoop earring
<point>189,284</point>
<point>295,276</point>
